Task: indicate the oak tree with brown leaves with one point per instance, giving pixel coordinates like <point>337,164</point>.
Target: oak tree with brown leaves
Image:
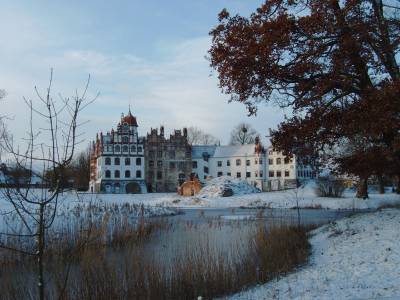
<point>334,63</point>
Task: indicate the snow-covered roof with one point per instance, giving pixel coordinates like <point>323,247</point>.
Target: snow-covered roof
<point>234,150</point>
<point>199,150</point>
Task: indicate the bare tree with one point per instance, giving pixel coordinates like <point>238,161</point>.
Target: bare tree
<point>49,148</point>
<point>196,136</point>
<point>3,128</point>
<point>242,134</point>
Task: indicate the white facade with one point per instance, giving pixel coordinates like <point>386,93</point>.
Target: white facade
<point>237,161</point>
<point>268,170</point>
<point>117,160</point>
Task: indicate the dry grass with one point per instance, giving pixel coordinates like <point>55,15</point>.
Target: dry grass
<point>97,263</point>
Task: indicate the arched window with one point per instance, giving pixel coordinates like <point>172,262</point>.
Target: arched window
<point>125,139</point>
<point>117,148</point>
<point>108,173</point>
<point>133,148</point>
<point>108,161</point>
<point>127,174</point>
<point>116,161</point>
<point>125,148</point>
<point>116,174</point>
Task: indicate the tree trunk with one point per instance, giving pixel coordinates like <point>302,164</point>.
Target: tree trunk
<point>362,188</point>
<point>40,251</point>
<point>381,183</point>
<point>398,184</point>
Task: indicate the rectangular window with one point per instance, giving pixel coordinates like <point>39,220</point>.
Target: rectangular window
<point>159,163</point>
<point>286,160</point>
<point>255,174</point>
<point>256,161</point>
<point>159,175</point>
<point>219,174</point>
<point>260,162</point>
<point>171,154</point>
<point>261,173</point>
<point>194,164</point>
<point>228,174</point>
<point>172,165</point>
<point>238,162</point>
<point>138,161</point>
<point>151,175</point>
<point>116,161</point>
<point>127,161</point>
<point>151,163</point>
<point>151,154</point>
<point>278,174</point>
<point>159,153</point>
<point>248,162</point>
<point>228,163</point>
<point>271,174</point>
<point>278,161</point>
<point>219,163</point>
<point>248,174</point>
<point>287,174</point>
<point>270,161</point>
<point>238,174</point>
<point>138,174</point>
<point>181,165</point>
<point>205,170</point>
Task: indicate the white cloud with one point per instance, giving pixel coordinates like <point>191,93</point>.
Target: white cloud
<point>176,90</point>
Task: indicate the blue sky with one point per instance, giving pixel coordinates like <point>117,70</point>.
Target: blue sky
<point>149,54</point>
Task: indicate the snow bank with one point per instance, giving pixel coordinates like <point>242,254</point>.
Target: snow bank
<point>217,186</point>
<point>354,258</point>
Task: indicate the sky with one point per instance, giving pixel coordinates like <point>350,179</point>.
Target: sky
<point>149,55</point>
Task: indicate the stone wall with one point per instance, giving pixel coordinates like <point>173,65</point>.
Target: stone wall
<point>168,160</point>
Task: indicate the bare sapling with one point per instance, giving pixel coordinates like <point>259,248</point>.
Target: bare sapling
<point>52,137</point>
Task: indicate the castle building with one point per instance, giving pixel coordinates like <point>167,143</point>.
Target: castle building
<point>247,162</point>
<point>286,172</point>
<point>268,170</point>
<point>168,160</point>
<point>117,163</point>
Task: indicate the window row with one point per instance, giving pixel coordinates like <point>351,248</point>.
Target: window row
<point>278,174</point>
<point>239,174</point>
<point>278,161</point>
<point>238,162</point>
<point>125,148</point>
<point>117,161</point>
<point>170,154</point>
<point>304,173</point>
<point>172,165</point>
<point>117,174</point>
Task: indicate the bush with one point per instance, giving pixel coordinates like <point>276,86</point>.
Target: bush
<point>327,187</point>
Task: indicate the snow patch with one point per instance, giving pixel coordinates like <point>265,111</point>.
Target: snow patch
<point>217,186</point>
<point>353,258</point>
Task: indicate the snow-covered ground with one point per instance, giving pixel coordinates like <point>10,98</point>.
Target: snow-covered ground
<point>217,186</point>
<point>245,197</point>
<point>353,258</point>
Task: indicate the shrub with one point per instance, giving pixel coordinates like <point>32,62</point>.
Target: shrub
<point>327,187</point>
